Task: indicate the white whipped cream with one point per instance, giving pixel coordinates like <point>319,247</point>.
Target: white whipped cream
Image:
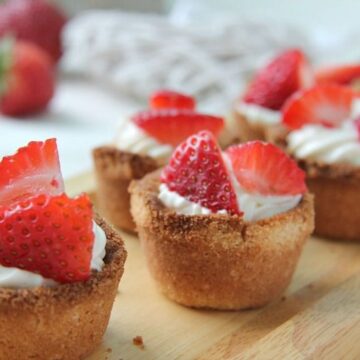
<point>254,206</point>
<point>16,278</point>
<point>132,139</point>
<point>98,250</point>
<point>355,109</point>
<point>256,114</point>
<point>183,206</point>
<point>327,145</point>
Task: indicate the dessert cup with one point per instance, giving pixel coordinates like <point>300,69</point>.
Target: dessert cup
<point>114,170</point>
<point>324,140</point>
<point>259,107</point>
<point>66,321</point>
<point>218,261</point>
<point>337,197</point>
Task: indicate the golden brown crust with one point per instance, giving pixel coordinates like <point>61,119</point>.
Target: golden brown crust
<point>346,172</point>
<point>66,321</point>
<point>218,261</point>
<point>114,170</point>
<point>276,134</point>
<point>249,131</point>
<point>337,199</point>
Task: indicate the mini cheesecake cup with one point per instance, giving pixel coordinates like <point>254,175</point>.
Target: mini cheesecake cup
<point>114,171</point>
<point>218,261</point>
<point>336,188</point>
<point>65,322</point>
<point>337,199</point>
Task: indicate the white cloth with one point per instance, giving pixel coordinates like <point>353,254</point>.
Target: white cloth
<point>137,54</point>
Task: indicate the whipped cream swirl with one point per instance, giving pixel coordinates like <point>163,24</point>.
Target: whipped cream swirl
<point>254,206</point>
<point>326,145</point>
<point>132,139</point>
<point>258,115</point>
<point>11,277</point>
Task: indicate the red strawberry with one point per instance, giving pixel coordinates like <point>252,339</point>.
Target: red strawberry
<point>37,21</point>
<point>197,172</point>
<point>264,169</point>
<point>341,75</point>
<point>34,169</point>
<point>172,126</point>
<point>328,105</point>
<point>49,235</point>
<point>27,79</point>
<point>167,99</point>
<point>284,75</point>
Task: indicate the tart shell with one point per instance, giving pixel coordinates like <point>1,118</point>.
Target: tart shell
<point>337,199</point>
<point>218,261</point>
<point>265,132</point>
<point>114,170</point>
<point>65,322</point>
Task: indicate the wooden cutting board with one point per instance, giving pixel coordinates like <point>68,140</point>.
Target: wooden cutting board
<point>317,318</point>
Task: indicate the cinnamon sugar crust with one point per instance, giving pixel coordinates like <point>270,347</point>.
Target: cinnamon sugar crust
<point>337,197</point>
<point>218,261</point>
<point>114,170</point>
<point>346,172</point>
<point>67,321</point>
<point>264,132</point>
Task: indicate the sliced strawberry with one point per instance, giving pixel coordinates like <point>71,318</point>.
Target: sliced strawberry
<point>284,75</point>
<point>197,172</point>
<point>33,170</point>
<point>264,169</point>
<point>168,99</point>
<point>341,75</point>
<point>328,105</point>
<point>48,235</point>
<point>172,126</point>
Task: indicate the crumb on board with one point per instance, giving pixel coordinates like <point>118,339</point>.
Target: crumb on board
<point>138,341</point>
<point>109,350</point>
<point>283,298</point>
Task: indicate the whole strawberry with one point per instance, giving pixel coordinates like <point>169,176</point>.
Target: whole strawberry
<point>36,21</point>
<point>27,78</point>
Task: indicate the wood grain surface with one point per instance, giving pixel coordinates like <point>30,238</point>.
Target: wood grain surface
<point>317,318</point>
